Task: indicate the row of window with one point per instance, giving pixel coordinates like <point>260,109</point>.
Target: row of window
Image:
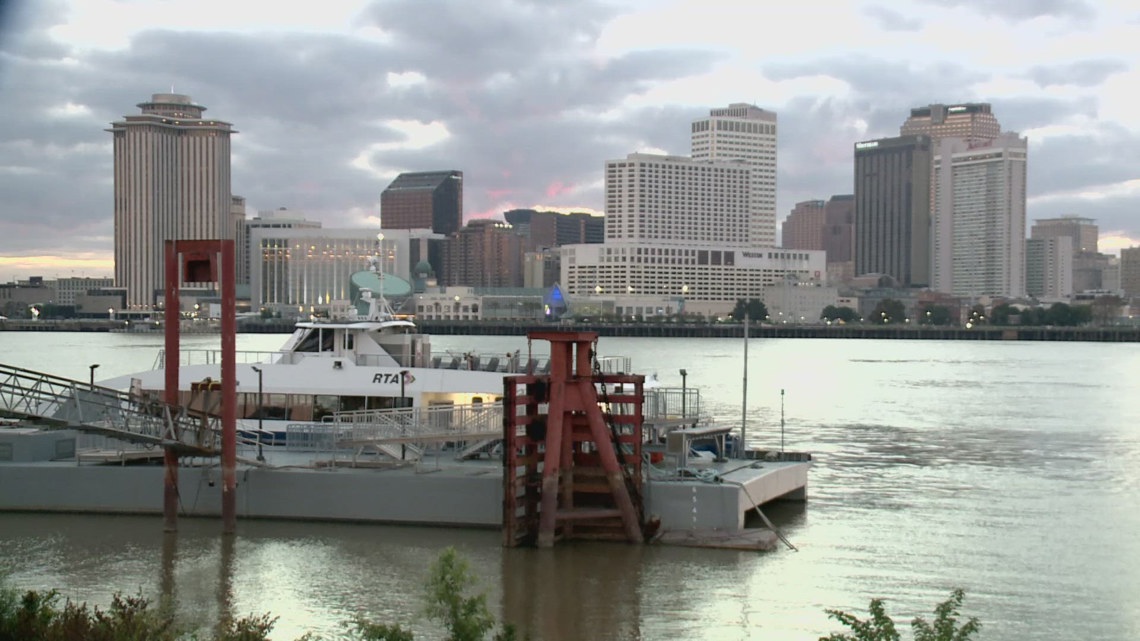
<point>303,407</point>
<point>734,126</point>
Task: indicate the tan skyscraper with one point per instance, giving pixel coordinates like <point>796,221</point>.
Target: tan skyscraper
<point>973,121</point>
<point>745,133</point>
<point>803,228</point>
<point>1083,231</point>
<point>172,181</point>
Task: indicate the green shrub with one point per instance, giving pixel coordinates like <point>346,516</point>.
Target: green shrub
<point>880,627</point>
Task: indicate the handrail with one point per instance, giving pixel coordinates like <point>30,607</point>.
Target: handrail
<point>54,402</point>
<point>459,422</point>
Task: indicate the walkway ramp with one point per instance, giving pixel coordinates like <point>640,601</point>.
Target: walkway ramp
<point>54,402</point>
<point>409,431</point>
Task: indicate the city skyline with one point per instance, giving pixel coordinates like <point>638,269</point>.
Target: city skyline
<point>530,99</point>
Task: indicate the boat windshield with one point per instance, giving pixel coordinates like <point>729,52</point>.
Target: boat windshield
<point>316,340</point>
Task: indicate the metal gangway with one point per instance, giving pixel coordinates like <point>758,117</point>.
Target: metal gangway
<point>53,402</point>
<point>404,433</point>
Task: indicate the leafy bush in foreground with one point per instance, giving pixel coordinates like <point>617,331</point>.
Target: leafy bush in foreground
<point>880,627</point>
<point>40,616</point>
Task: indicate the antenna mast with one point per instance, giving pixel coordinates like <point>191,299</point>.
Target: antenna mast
<point>744,397</point>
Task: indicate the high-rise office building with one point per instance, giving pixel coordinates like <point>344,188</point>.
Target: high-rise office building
<point>973,121</point>
<point>978,222</point>
<point>554,229</point>
<point>652,198</point>
<point>892,208</point>
<point>171,182</point>
<point>1049,267</point>
<point>1083,231</point>
<point>803,228</point>
<point>241,239</point>
<point>839,228</point>
<point>424,200</point>
<point>485,253</point>
<point>1130,271</point>
<point>839,237</point>
<point>747,133</point>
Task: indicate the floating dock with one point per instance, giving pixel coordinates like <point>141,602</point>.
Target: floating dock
<point>435,490</point>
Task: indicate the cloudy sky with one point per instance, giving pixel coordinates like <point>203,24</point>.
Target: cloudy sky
<point>530,97</point>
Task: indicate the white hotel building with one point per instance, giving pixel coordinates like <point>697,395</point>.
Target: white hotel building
<point>978,220</point>
<point>745,133</point>
<point>676,240</point>
<point>311,269</point>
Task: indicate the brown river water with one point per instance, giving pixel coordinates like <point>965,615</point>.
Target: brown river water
<point>1011,470</point>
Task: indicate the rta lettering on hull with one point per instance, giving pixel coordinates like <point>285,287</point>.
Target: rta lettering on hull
<point>393,378</point>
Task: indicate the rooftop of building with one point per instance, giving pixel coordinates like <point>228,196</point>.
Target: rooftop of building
<point>965,107</point>
<point>426,180</point>
<point>1067,219</point>
<point>647,157</point>
<point>524,216</point>
<point>743,110</point>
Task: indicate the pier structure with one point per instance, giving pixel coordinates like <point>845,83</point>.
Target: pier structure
<point>570,470</point>
<point>617,453</point>
<point>202,261</point>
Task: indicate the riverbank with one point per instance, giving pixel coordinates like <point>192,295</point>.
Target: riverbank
<point>669,330</point>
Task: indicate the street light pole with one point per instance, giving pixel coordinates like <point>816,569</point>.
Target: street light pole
<point>684,393</point>
<point>260,412</point>
<point>403,417</point>
<point>93,367</point>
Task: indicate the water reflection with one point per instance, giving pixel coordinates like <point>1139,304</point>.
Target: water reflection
<point>551,595</point>
<point>166,576</point>
<point>225,582</point>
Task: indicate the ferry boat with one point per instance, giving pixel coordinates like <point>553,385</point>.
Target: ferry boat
<point>362,364</point>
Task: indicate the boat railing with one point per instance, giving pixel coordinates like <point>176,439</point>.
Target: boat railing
<point>615,364</point>
<point>672,403</point>
<point>508,363</point>
<point>189,357</point>
<point>462,422</point>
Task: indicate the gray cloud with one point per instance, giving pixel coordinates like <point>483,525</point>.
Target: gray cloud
<point>1018,10</point>
<point>1113,215</point>
<point>816,134</point>
<point>891,20</point>
<point>1020,114</point>
<point>23,30</point>
<point>1104,155</point>
<point>886,80</point>
<point>1082,73</point>
<point>450,41</point>
<point>510,82</point>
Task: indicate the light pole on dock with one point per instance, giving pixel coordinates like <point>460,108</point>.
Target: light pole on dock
<point>260,412</point>
<point>684,393</point>
<point>93,367</point>
<point>403,417</point>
